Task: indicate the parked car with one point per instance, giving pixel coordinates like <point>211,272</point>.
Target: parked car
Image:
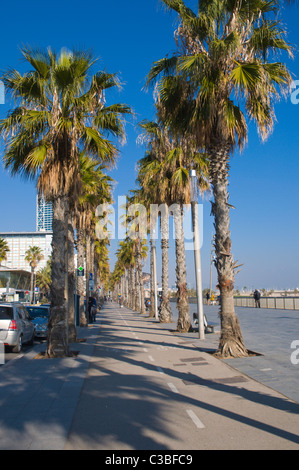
<point>40,317</point>
<point>16,327</point>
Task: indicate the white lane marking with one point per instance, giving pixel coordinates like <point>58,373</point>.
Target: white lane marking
<point>151,358</point>
<point>173,388</point>
<point>160,370</point>
<point>195,419</point>
<point>264,370</point>
<point>144,349</point>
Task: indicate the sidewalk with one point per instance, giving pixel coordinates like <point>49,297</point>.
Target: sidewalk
<point>136,384</point>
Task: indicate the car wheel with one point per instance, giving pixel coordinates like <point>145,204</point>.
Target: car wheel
<point>32,339</point>
<point>18,347</point>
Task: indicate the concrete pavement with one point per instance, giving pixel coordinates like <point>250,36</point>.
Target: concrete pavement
<point>136,384</point>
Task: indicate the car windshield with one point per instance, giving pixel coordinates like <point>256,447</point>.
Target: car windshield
<point>6,313</point>
<point>36,312</point>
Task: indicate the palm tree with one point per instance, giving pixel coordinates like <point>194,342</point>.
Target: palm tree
<point>43,279</point>
<point>96,190</point>
<point>155,191</point>
<point>165,172</point>
<point>226,59</point>
<point>4,248</point>
<point>59,109</point>
<point>101,268</point>
<point>33,256</point>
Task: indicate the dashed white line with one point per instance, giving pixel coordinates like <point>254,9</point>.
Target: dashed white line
<point>173,388</point>
<point>195,419</point>
<point>160,370</point>
<point>151,358</point>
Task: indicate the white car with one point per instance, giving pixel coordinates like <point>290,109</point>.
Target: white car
<point>16,327</point>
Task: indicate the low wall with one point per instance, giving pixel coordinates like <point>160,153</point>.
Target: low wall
<point>283,303</point>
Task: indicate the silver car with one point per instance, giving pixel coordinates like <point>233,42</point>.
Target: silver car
<point>16,327</point>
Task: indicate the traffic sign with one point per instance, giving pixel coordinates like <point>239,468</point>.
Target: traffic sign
<point>90,276</point>
<point>80,271</point>
<point>91,285</point>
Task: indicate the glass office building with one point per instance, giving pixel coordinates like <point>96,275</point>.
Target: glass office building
<point>44,215</point>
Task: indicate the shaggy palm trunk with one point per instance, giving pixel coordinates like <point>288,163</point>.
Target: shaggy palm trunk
<point>184,321</point>
<point>152,287</point>
<point>126,287</point>
<point>71,284</point>
<point>95,277</point>
<point>165,310</point>
<point>136,289</point>
<point>80,279</point>
<point>231,342</point>
<point>130,304</point>
<point>32,286</point>
<point>140,277</point>
<point>87,260</point>
<point>57,343</point>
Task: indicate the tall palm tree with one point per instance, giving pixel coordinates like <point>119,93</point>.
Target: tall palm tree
<point>101,268</point>
<point>43,279</point>
<point>59,108</point>
<point>4,249</point>
<point>226,58</point>
<point>33,256</point>
<point>165,171</point>
<point>155,191</point>
<point>96,189</point>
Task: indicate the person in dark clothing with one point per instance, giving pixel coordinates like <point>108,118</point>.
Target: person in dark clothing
<point>92,309</point>
<point>257,297</point>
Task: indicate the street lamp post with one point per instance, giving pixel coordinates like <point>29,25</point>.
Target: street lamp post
<point>196,242</point>
<point>155,276</point>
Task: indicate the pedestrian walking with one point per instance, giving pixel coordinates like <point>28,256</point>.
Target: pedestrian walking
<point>257,297</point>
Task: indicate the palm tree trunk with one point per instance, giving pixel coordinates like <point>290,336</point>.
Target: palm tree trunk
<point>184,321</point>
<point>31,285</point>
<point>87,261</point>
<point>152,287</point>
<point>57,343</point>
<point>135,289</point>
<point>140,279</point>
<point>231,342</point>
<point>80,279</point>
<point>95,277</point>
<point>71,284</point>
<point>131,280</point>
<point>126,287</point>
<point>165,310</point>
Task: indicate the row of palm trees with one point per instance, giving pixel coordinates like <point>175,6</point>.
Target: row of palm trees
<point>60,134</point>
<point>224,72</point>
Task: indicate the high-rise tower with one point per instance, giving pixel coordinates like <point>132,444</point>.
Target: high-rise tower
<point>44,215</point>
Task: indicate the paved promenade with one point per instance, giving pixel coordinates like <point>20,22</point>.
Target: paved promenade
<point>138,385</point>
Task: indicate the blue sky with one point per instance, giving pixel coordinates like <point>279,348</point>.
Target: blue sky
<point>128,37</point>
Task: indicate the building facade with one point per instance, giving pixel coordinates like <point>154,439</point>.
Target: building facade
<point>19,242</point>
<point>44,215</point>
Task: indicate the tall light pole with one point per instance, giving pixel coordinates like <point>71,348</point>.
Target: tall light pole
<point>196,242</point>
<point>155,276</point>
<point>211,263</point>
